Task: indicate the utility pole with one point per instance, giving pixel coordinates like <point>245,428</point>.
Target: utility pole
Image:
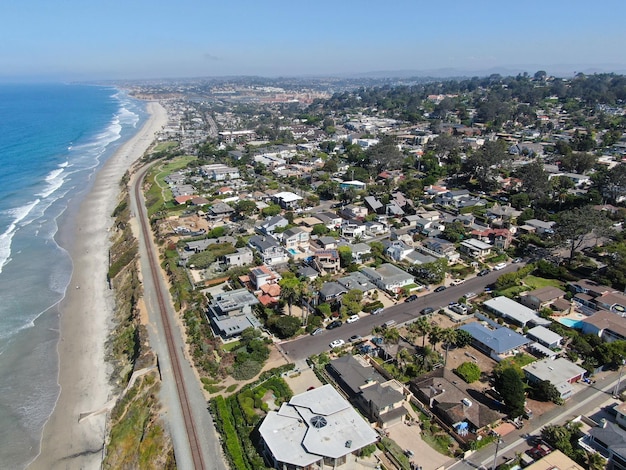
<point>495,456</point>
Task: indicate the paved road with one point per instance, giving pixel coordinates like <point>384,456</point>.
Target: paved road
<point>584,402</point>
<point>304,346</point>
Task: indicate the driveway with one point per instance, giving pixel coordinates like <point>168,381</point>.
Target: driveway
<point>409,438</point>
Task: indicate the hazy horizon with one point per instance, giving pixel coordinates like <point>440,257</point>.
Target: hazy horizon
<point>83,41</point>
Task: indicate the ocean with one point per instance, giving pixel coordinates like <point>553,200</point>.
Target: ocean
<point>53,139</point>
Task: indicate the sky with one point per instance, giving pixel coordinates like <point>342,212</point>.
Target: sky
<point>151,39</point>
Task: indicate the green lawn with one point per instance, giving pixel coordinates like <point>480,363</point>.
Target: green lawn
<point>535,282</point>
<point>167,169</point>
<point>164,146</point>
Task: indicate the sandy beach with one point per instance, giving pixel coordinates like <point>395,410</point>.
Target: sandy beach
<point>86,313</point>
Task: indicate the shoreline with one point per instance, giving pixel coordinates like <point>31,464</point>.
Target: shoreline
<point>86,313</point>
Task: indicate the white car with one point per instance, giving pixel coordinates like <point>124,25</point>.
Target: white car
<point>337,343</point>
<point>352,319</point>
<point>499,266</point>
<point>457,282</point>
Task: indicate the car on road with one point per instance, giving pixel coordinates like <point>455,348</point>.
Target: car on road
<point>411,298</point>
<point>352,319</point>
<point>427,310</point>
<point>377,311</point>
<point>355,338</point>
<point>316,331</point>
<point>484,272</point>
<point>518,260</point>
<point>337,343</point>
<point>440,289</point>
<point>334,324</point>
<point>457,282</point>
<point>499,266</point>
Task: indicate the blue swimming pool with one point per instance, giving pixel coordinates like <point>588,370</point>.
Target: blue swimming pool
<point>292,251</point>
<point>571,322</point>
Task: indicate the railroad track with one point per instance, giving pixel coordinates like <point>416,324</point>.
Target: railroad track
<point>190,425</point>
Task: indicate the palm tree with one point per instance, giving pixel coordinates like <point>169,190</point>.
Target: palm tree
<point>448,336</point>
<point>290,290</point>
<point>594,461</point>
<point>434,335</point>
<point>423,327</point>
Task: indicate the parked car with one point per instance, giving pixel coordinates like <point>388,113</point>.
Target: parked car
<point>411,298</point>
<point>457,282</point>
<point>352,319</point>
<point>316,331</point>
<point>427,310</point>
<point>459,308</point>
<point>377,311</point>
<point>354,338</point>
<point>440,289</point>
<point>484,272</point>
<point>499,266</point>
<point>334,324</point>
<point>337,343</point>
<point>517,260</point>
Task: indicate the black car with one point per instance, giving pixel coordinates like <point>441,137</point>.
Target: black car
<point>411,298</point>
<point>427,310</point>
<point>334,324</point>
<point>484,272</point>
<point>440,289</point>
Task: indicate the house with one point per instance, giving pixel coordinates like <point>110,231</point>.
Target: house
<point>241,257</point>
<point>326,261</point>
<point>560,372</point>
<point>538,226</point>
<point>331,291</point>
<point>327,243</point>
<point>438,247</point>
<point>610,440</point>
<point>307,272</point>
<point>230,313</point>
<point>545,337</point>
<point>351,230</point>
<point>219,172</point>
<point>287,200</point>
<point>514,312</point>
<point>447,397</point>
<point>495,343</point>
<point>500,238</point>
<point>374,228</point>
<point>219,211</point>
<point>330,220</point>
<point>354,212</point>
<point>388,277</point>
<point>357,280</point>
<point>541,298</point>
<point>261,275</point>
<point>553,461</point>
<point>607,325</point>
<point>475,248</point>
<point>271,224</point>
<point>356,185</point>
<point>382,401</point>
<point>269,249</point>
<point>295,238</point>
<point>315,429</point>
<point>398,250</point>
<point>361,252</point>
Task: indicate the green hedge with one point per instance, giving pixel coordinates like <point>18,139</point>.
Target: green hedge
<point>224,421</point>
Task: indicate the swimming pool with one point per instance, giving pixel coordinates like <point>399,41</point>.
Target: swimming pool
<point>293,251</point>
<point>571,322</point>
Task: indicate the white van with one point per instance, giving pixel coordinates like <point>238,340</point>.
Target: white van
<point>499,266</point>
<point>389,324</point>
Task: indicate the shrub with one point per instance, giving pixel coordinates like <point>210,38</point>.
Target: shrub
<point>469,372</point>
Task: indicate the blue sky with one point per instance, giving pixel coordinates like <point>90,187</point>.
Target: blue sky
<point>110,39</point>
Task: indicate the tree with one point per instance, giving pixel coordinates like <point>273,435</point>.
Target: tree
<point>469,372</point>
<point>290,288</point>
<point>391,336</point>
<point>509,385</point>
<point>578,162</point>
<point>454,232</point>
<point>613,185</point>
<point>345,256</point>
<point>285,326</point>
<point>448,337</point>
<point>463,338</point>
<point>271,210</point>
<point>351,302</point>
<point>484,164</point>
<point>245,207</point>
<point>546,391</point>
<point>559,437</point>
<point>575,227</point>
<point>534,179</point>
<point>594,461</point>
<point>422,326</point>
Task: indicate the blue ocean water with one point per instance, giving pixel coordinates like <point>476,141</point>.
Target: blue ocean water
<point>53,138</point>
